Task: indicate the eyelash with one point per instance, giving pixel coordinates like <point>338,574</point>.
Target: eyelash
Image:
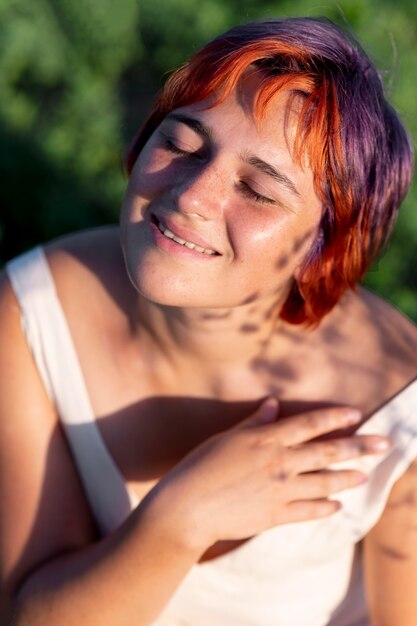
<point>245,188</point>
<point>251,193</point>
<point>169,145</point>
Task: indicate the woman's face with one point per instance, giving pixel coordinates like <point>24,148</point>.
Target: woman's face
<point>243,213</point>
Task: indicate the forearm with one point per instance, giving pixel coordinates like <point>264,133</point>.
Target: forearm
<point>125,579</point>
<point>390,557</point>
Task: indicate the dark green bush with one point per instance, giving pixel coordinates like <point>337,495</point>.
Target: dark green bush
<point>76,80</point>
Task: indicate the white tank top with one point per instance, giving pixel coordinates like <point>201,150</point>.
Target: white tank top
<point>304,574</point>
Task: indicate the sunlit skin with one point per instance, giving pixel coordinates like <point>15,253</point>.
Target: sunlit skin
<point>226,423</point>
<point>208,181</point>
<point>177,362</point>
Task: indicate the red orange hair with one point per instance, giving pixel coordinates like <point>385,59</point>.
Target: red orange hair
<point>358,149</point>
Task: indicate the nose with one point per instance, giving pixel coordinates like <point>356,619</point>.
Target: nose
<point>202,192</point>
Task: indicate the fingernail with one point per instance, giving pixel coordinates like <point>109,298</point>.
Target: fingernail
<point>269,410</point>
<point>381,445</point>
<point>270,402</point>
<point>352,416</point>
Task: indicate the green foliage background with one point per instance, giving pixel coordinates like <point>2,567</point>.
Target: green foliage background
<point>76,80</point>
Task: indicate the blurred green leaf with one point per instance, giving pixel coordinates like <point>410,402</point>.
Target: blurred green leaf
<point>77,78</point>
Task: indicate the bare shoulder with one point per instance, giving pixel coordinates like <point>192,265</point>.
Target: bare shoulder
<point>39,487</point>
<point>93,252</point>
<point>374,346</point>
<point>82,264</point>
<point>89,274</point>
<point>392,331</point>
<point>43,509</point>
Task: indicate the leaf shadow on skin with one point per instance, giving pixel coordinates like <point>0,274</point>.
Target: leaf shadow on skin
<point>159,431</point>
<point>400,507</point>
<point>160,441</point>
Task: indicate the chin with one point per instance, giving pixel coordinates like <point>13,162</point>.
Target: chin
<point>182,294</point>
<point>167,291</point>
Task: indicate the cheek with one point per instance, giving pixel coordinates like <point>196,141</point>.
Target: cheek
<point>280,245</point>
<point>261,235</point>
<point>149,172</point>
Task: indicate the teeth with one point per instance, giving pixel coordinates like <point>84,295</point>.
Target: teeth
<point>168,233</point>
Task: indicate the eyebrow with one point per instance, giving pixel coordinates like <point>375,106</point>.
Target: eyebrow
<point>250,159</point>
<point>269,170</point>
<point>199,128</point>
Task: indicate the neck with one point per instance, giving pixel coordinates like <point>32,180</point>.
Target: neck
<point>216,340</point>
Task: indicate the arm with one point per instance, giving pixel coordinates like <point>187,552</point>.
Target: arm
<point>53,567</point>
<point>125,579</point>
<point>390,553</point>
<point>240,482</point>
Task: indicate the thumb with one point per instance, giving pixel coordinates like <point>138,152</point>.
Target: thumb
<point>266,413</point>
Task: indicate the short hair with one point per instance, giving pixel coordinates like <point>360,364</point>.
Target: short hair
<point>358,149</point>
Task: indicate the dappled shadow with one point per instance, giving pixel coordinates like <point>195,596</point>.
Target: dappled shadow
<point>337,340</point>
<point>107,265</point>
<point>146,440</point>
<point>401,508</point>
<point>285,258</point>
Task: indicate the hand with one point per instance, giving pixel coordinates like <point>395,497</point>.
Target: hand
<point>262,473</point>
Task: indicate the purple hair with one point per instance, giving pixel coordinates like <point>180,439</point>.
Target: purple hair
<point>359,150</point>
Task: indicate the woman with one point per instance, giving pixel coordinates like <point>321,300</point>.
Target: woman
<point>225,433</point>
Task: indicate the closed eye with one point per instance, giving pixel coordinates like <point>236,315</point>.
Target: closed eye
<point>172,147</point>
<point>251,193</point>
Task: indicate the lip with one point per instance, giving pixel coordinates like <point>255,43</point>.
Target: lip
<point>176,249</point>
<point>184,233</point>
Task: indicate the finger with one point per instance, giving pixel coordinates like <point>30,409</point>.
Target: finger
<point>266,413</point>
<point>304,510</point>
<point>310,457</point>
<point>301,428</point>
<point>325,483</point>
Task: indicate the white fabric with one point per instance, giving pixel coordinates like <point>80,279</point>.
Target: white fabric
<point>305,574</point>
<point>48,336</point>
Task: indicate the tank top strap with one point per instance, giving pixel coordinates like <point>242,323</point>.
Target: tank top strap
<point>49,339</point>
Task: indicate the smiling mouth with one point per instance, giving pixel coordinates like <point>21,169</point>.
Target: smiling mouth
<point>183,242</point>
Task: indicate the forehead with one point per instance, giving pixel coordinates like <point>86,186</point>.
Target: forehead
<point>236,117</point>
